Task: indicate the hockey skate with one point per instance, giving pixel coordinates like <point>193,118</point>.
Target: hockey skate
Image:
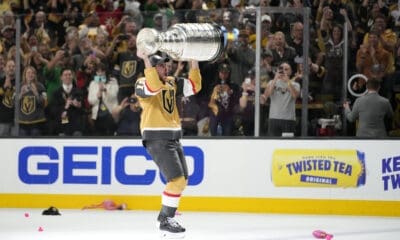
<point>170,229</point>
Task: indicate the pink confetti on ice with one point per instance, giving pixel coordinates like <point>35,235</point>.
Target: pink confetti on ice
<point>322,235</point>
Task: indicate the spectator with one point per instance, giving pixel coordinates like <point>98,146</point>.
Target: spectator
<point>127,25</point>
<point>127,117</point>
<point>241,57</point>
<point>373,61</point>
<point>371,111</point>
<point>266,34</point>
<point>52,72</point>
<point>387,38</point>
<point>36,60</point>
<point>223,101</point>
<point>7,91</point>
<point>231,33</point>
<point>285,21</point>
<point>332,84</point>
<point>283,94</point>
<point>7,37</point>
<point>246,103</point>
<point>295,40</point>
<point>2,66</point>
<point>109,16</point>
<point>266,69</point>
<point>33,100</point>
<point>44,31</point>
<point>198,13</point>
<point>128,67</point>
<point>250,28</point>
<point>282,52</point>
<point>66,110</point>
<point>86,48</point>
<point>103,91</point>
<point>91,26</point>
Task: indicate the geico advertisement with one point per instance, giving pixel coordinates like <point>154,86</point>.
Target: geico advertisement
<point>227,168</point>
<point>96,165</point>
<point>318,168</point>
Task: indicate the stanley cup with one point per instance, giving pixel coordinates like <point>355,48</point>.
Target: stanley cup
<point>183,41</point>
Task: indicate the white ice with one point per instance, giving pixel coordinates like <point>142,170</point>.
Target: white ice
<point>141,225</point>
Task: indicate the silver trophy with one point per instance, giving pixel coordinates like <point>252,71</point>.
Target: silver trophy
<point>183,41</point>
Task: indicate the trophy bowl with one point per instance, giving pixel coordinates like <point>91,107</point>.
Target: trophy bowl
<point>184,41</point>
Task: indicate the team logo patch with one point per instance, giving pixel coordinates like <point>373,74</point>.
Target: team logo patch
<point>128,68</point>
<point>168,98</point>
<point>28,105</point>
<point>8,99</point>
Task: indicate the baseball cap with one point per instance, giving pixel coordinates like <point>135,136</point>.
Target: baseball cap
<point>7,27</point>
<point>266,53</point>
<point>266,17</point>
<point>224,68</point>
<point>251,72</point>
<point>157,15</point>
<point>156,60</point>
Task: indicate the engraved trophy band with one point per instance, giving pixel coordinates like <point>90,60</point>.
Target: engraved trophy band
<point>183,41</point>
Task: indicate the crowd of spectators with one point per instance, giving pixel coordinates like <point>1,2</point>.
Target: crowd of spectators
<point>79,65</point>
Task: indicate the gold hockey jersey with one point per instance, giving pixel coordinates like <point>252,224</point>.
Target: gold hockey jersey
<point>160,117</point>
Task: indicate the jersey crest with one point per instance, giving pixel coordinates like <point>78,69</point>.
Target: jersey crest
<point>128,68</point>
<point>8,99</point>
<point>28,105</point>
<point>168,99</point>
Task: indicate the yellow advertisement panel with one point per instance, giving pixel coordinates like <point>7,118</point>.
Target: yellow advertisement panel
<point>318,168</point>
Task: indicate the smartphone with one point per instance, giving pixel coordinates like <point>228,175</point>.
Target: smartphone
<point>247,80</point>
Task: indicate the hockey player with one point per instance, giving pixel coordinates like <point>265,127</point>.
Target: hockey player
<point>161,130</point>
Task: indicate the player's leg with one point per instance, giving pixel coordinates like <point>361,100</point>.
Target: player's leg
<point>168,155</point>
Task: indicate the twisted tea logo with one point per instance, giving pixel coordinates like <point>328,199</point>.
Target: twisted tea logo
<point>28,105</point>
<point>128,68</point>
<point>168,99</point>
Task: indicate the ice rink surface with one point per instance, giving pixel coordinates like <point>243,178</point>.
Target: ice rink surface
<point>26,224</point>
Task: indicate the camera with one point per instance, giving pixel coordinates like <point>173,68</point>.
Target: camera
<point>66,52</point>
<point>132,100</point>
<point>280,70</point>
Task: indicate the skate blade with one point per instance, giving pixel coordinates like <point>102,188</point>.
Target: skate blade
<point>169,235</point>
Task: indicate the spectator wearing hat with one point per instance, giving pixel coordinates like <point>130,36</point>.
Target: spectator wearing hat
<point>223,103</point>
<point>241,57</point>
<point>266,34</point>
<point>8,37</point>
<point>158,22</point>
